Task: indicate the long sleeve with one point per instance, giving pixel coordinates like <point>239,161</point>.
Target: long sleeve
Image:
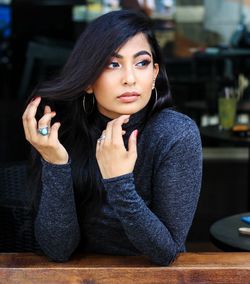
<point>160,229</point>
<point>56,226</point>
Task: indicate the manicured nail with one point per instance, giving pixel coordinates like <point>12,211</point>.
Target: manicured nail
<point>136,133</point>
<point>34,98</point>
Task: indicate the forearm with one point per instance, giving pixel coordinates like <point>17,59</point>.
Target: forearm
<point>143,228</point>
<point>159,229</point>
<point>56,226</point>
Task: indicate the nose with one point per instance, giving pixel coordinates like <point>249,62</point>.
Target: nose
<point>128,76</point>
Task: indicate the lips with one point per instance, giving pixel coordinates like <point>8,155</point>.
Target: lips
<point>129,94</point>
<point>128,97</point>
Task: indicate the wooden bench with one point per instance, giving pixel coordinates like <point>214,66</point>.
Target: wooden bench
<point>215,267</point>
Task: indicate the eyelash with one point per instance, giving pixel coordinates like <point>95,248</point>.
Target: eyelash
<point>145,62</point>
<point>142,63</point>
<point>111,65</point>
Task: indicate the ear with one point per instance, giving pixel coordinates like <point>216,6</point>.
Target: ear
<point>89,90</point>
<point>156,70</point>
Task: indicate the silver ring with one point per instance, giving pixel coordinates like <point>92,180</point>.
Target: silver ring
<point>101,138</point>
<point>44,131</point>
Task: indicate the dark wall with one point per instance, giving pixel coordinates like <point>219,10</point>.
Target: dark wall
<point>30,22</point>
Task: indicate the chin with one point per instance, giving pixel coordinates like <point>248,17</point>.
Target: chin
<point>132,110</point>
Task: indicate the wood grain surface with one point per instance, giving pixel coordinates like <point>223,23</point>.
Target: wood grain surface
<point>216,267</point>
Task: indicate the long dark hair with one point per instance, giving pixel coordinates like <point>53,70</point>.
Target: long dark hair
<point>91,54</point>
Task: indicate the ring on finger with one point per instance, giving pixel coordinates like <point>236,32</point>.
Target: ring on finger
<point>44,131</point>
<point>101,138</point>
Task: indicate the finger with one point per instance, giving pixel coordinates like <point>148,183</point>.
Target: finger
<point>103,133</point>
<point>47,109</point>
<point>109,129</point>
<point>117,128</point>
<point>46,119</point>
<point>29,121</point>
<point>108,132</point>
<point>132,143</point>
<point>101,139</point>
<point>98,145</point>
<point>54,131</point>
<point>32,106</point>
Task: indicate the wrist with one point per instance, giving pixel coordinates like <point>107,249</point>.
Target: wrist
<point>56,161</point>
<point>44,162</point>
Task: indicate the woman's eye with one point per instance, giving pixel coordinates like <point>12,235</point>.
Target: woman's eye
<point>113,65</point>
<point>143,63</point>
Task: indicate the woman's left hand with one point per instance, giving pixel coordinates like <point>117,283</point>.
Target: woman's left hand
<point>112,156</point>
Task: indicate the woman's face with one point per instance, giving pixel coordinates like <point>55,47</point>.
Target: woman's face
<point>125,85</point>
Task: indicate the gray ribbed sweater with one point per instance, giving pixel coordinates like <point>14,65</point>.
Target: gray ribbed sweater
<point>146,212</point>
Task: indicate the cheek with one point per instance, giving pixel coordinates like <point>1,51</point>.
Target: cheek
<point>101,88</point>
<point>103,84</point>
<point>148,83</point>
<point>148,78</point>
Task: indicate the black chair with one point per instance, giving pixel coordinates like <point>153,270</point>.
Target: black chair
<point>16,218</point>
<point>44,57</point>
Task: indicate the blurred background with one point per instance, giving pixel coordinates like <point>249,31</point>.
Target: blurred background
<point>206,46</point>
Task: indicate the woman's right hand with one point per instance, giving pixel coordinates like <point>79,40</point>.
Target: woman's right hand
<point>48,146</point>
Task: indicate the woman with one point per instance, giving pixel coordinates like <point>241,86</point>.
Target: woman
<point>123,173</point>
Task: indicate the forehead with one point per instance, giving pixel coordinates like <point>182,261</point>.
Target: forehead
<point>135,44</point>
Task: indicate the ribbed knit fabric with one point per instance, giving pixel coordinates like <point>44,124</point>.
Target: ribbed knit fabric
<point>146,212</point>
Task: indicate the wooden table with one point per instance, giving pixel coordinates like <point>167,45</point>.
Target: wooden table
<point>219,267</point>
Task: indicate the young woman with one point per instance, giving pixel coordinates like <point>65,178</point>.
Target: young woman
<point>122,175</point>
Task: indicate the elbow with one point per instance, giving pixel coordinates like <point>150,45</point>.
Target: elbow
<point>58,258</point>
<point>56,254</point>
<point>165,260</point>
<point>57,249</point>
<point>165,257</point>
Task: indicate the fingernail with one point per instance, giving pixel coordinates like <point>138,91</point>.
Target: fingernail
<point>136,133</point>
<point>34,98</point>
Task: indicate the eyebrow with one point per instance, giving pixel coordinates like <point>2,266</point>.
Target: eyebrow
<point>139,53</point>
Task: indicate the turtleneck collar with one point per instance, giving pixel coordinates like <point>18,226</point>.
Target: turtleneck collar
<point>136,121</point>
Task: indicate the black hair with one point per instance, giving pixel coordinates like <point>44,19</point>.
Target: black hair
<point>64,94</point>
